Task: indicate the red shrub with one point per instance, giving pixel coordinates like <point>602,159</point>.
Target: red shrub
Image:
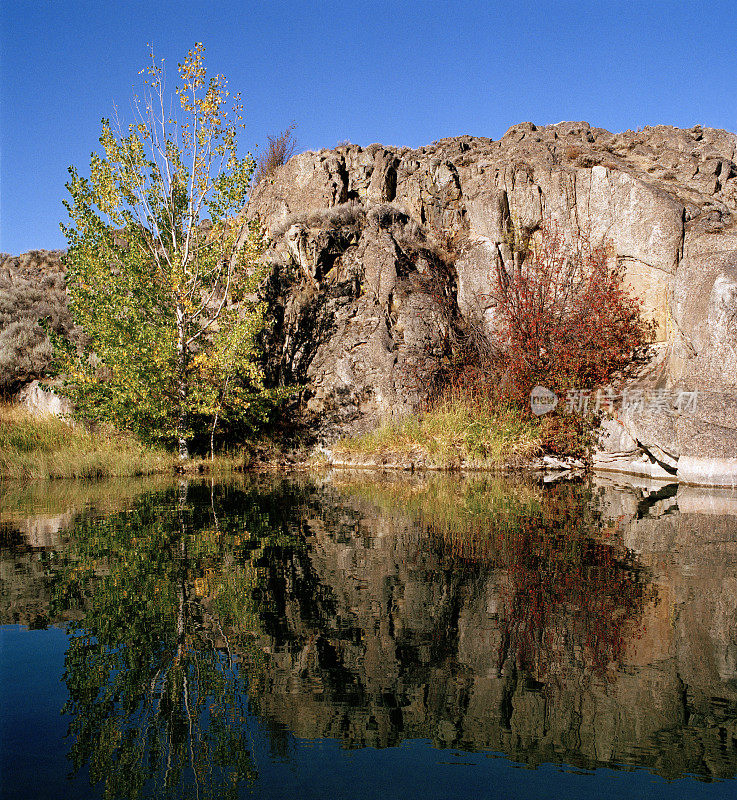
<point>565,318</point>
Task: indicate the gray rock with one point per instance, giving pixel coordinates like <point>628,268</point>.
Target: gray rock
<point>384,256</point>
<point>42,402</point>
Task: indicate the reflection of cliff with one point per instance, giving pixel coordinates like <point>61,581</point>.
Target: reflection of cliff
<point>412,648</point>
<point>688,538</point>
<point>24,587</point>
<point>476,614</point>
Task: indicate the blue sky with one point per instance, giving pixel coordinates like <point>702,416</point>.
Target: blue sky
<point>400,73</point>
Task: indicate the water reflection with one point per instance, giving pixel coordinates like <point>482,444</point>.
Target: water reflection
<point>586,624</point>
<point>170,594</point>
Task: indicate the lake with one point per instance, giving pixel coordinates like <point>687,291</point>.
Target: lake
<point>354,635</point>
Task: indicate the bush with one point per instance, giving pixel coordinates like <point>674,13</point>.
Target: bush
<point>278,151</point>
<point>563,319</point>
<point>33,301</point>
<point>564,316</point>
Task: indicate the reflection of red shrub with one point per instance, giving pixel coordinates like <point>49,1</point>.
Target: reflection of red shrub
<point>569,593</point>
<point>586,607</point>
<point>565,317</point>
<point>572,596</point>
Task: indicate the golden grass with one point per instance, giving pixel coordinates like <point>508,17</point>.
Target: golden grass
<point>455,431</point>
<point>49,447</point>
<point>223,464</point>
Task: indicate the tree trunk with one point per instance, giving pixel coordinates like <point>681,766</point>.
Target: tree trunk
<point>216,418</point>
<point>182,387</point>
<point>212,435</point>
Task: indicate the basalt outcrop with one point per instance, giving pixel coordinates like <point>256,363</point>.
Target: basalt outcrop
<point>382,261</point>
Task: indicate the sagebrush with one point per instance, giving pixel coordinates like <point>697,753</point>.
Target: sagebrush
<point>33,303</point>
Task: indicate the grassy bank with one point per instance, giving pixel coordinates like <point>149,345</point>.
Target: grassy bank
<point>48,447</point>
<point>33,447</point>
<point>455,431</point>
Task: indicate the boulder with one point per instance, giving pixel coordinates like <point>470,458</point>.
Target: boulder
<point>42,402</point>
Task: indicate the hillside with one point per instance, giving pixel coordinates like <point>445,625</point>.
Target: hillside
<point>382,260</point>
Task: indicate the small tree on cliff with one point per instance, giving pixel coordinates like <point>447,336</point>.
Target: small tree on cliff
<point>159,268</point>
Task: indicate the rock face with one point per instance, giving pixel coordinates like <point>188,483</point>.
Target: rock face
<point>382,260</point>
<point>365,313</point>
<point>41,402</point>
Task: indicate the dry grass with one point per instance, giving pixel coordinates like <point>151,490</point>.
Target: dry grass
<point>457,430</point>
<point>48,447</point>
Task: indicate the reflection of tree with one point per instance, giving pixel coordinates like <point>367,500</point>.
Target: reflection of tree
<point>572,593</point>
<point>158,702</point>
<point>567,590</point>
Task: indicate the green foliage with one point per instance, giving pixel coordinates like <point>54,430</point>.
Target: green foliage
<point>162,273</point>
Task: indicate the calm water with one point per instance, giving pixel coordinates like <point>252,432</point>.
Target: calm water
<point>362,637</point>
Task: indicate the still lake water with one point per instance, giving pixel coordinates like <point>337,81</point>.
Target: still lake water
<point>355,636</point>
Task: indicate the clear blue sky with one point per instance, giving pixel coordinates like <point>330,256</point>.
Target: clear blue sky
<point>400,73</point>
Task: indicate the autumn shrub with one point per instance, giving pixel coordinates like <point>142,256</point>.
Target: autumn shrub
<point>564,316</point>
<point>564,434</point>
<point>278,151</point>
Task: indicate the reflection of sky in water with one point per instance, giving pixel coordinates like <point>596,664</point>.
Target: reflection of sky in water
<point>399,639</point>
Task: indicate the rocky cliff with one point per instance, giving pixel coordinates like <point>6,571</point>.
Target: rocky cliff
<point>382,260</point>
